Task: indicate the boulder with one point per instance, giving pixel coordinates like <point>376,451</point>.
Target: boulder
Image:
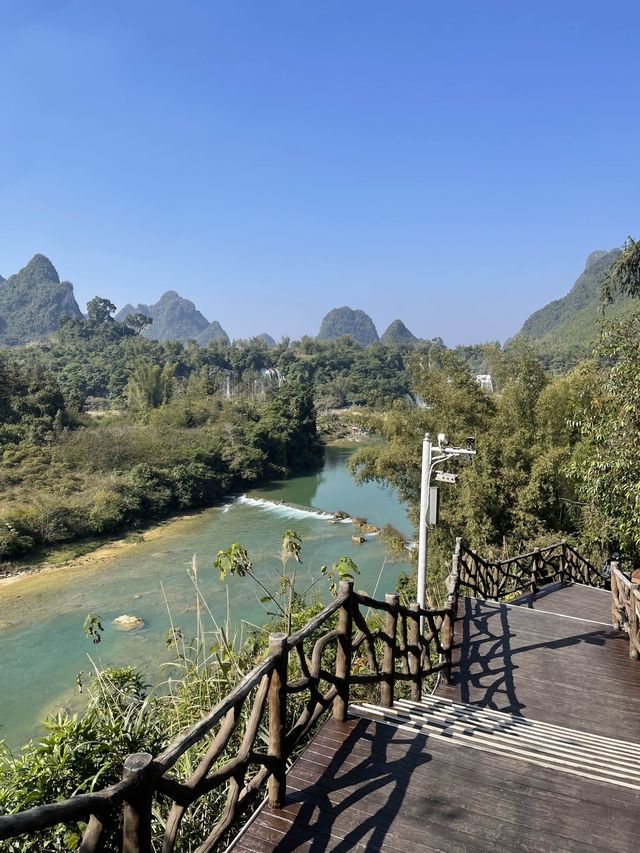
<point>129,623</point>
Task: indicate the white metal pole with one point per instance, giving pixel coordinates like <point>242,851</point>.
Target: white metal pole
<point>423,531</point>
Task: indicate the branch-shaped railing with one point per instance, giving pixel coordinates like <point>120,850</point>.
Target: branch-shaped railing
<point>526,573</point>
<point>246,742</point>
<point>354,645</point>
<point>625,608</point>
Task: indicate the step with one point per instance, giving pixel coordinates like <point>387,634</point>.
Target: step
<point>578,753</point>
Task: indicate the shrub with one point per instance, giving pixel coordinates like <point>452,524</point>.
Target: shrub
<point>107,512</point>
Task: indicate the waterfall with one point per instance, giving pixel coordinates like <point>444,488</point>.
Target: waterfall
<point>272,374</point>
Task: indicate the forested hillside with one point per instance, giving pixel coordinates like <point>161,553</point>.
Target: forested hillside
<point>102,429</point>
<point>348,321</point>
<point>175,319</point>
<point>33,302</point>
<point>566,329</point>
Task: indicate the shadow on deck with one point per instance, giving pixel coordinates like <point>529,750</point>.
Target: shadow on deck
<point>376,786</point>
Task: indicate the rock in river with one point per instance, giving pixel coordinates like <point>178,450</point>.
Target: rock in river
<point>129,623</point>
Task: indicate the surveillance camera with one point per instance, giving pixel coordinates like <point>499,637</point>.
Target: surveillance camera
<point>443,441</point>
<point>471,442</point>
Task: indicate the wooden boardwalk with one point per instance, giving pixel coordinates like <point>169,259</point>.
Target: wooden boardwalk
<point>540,753</point>
<point>548,663</point>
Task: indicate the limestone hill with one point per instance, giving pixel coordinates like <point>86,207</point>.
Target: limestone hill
<point>33,301</point>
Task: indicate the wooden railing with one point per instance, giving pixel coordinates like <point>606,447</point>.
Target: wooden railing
<point>355,644</point>
<point>526,573</point>
<point>245,743</point>
<point>625,608</point>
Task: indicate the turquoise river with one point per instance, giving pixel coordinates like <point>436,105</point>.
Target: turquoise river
<point>42,647</point>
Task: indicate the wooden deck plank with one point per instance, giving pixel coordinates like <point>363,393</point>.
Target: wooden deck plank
<point>577,600</point>
<point>363,785</point>
<point>546,667</point>
<point>544,794</point>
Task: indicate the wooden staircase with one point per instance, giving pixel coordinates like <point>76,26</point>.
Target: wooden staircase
<point>569,750</point>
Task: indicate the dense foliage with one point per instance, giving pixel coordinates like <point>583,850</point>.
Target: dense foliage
<point>519,491</point>
<point>176,444</point>
<point>102,429</point>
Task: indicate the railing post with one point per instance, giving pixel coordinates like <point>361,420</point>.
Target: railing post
<point>634,634</point>
<point>343,656</point>
<point>136,829</point>
<point>535,565</point>
<point>389,657</point>
<point>277,785</point>
<point>91,837</point>
<point>453,581</point>
<point>447,640</point>
<point>616,622</point>
<point>563,562</point>
<point>415,652</point>
<point>495,586</point>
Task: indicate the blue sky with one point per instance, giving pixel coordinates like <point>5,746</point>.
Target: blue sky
<point>451,164</point>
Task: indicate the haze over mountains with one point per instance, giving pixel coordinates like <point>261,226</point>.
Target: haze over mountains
<point>34,300</point>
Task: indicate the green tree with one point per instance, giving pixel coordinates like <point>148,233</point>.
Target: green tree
<point>624,275</point>
<point>148,386</point>
<point>99,310</point>
<point>607,463</point>
<point>137,321</point>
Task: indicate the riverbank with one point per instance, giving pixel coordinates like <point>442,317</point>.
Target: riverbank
<point>97,551</point>
<point>70,555</point>
<point>42,645</point>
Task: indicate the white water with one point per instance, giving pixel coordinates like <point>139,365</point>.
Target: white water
<point>282,510</point>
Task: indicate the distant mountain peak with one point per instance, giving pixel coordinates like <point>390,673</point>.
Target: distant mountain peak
<point>40,269</point>
<point>174,318</point>
<point>213,332</point>
<point>397,333</point>
<point>33,301</point>
<point>594,257</point>
<point>348,321</point>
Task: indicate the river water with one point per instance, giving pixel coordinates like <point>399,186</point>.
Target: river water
<point>42,647</point>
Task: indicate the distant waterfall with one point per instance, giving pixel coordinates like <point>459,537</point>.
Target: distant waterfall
<point>253,384</point>
<point>271,375</point>
<point>227,385</point>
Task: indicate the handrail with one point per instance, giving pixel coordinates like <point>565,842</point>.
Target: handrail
<point>409,645</point>
<point>625,608</point>
<point>348,655</point>
<point>525,573</point>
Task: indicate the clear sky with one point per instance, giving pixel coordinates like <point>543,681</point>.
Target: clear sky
<point>451,164</point>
